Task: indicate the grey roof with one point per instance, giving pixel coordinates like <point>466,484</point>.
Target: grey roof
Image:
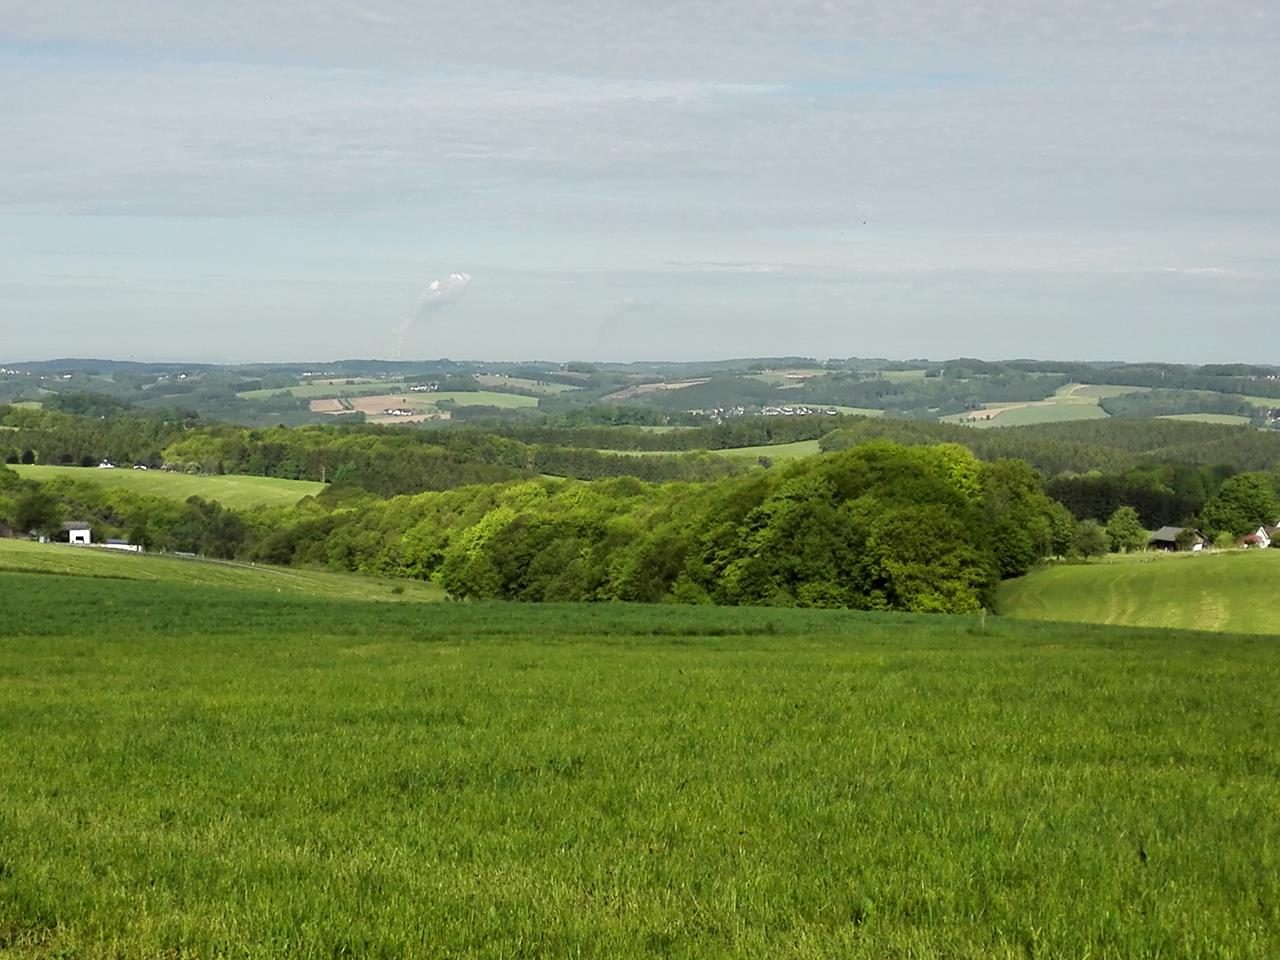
<point>1170,534</point>
<point>77,525</point>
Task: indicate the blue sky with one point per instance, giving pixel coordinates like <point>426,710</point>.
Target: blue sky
<point>239,181</point>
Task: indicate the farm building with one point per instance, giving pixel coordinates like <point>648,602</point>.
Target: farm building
<point>6,532</point>
<point>1177,538</point>
<point>78,532</point>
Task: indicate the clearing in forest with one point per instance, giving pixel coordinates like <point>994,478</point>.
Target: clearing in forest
<point>231,490</point>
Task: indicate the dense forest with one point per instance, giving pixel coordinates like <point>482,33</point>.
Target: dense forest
<point>880,526</point>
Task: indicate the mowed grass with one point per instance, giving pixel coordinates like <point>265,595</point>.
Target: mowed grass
<point>239,492</point>
<point>62,559</point>
<point>204,772</point>
<point>1222,590</point>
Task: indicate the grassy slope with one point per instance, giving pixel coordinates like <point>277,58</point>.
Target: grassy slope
<point>1227,418</point>
<point>197,772</point>
<point>25,556</point>
<point>321,391</point>
<point>240,492</point>
<point>1045,413</point>
<point>316,391</point>
<point>1232,590</point>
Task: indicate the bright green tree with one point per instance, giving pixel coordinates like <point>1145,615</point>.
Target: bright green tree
<point>1125,531</point>
<point>1242,503</point>
<point>1090,540</point>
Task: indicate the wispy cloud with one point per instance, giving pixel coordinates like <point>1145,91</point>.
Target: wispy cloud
<point>705,156</point>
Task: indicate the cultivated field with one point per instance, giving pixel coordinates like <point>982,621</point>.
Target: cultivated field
<point>60,558</point>
<point>1222,590</point>
<point>204,772</point>
<point>239,492</point>
<point>537,386</point>
<point>317,390</point>
<point>425,405</point>
<point>640,389</point>
<point>1074,401</point>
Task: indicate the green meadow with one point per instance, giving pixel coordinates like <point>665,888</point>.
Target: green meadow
<point>1231,590</point>
<point>237,492</point>
<point>316,391</point>
<point>1227,418</point>
<point>60,558</point>
<point>196,770</point>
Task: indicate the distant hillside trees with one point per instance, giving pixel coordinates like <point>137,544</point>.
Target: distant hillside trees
<point>1242,504</point>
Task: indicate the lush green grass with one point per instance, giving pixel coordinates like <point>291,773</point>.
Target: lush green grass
<point>1208,418</point>
<point>46,558</point>
<point>239,492</point>
<point>201,772</point>
<point>1222,590</point>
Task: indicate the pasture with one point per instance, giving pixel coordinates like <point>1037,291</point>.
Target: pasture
<point>238,492</point>
<point>1073,401</point>
<point>23,556</point>
<point>208,772</point>
<point>1227,418</point>
<point>357,387</point>
<point>425,405</point>
<point>523,383</point>
<point>1230,590</point>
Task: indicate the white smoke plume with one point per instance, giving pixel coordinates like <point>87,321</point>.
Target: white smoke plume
<point>435,296</point>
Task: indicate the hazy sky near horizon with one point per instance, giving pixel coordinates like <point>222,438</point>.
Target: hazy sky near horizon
<point>244,181</point>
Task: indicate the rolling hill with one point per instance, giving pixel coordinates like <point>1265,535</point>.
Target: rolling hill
<point>1231,591</point>
<point>21,556</point>
<point>237,492</point>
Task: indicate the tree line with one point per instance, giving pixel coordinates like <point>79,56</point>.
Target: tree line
<point>882,526</point>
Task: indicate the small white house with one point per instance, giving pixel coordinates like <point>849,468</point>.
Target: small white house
<point>1257,538</point>
<point>78,532</point>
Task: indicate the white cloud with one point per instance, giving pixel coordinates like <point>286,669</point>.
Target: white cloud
<point>829,151</point>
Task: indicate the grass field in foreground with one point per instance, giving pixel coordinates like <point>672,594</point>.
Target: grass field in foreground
<point>204,772</point>
<point>239,492</point>
<point>61,558</point>
<point>1221,590</point>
